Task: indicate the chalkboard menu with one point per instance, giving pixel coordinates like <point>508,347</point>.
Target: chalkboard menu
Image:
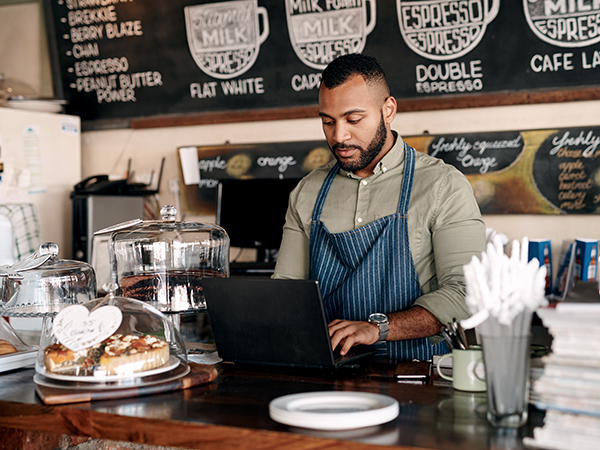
<point>203,167</point>
<point>526,172</point>
<point>512,172</point>
<point>120,59</point>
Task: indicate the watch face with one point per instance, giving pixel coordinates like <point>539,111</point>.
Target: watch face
<point>378,317</point>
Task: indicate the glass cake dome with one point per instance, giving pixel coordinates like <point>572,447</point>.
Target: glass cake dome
<point>42,284</point>
<point>162,262</point>
<point>112,340</point>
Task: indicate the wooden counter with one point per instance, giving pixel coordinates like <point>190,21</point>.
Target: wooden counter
<point>231,412</point>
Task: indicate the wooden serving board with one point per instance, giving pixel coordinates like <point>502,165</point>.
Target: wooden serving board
<point>199,374</point>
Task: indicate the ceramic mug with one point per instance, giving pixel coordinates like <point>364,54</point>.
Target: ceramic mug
<point>468,372</point>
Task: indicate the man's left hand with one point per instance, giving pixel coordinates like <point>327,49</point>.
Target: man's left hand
<point>347,333</point>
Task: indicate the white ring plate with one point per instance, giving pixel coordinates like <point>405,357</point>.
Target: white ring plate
<point>178,372</point>
<point>50,106</point>
<point>171,364</point>
<point>336,410</point>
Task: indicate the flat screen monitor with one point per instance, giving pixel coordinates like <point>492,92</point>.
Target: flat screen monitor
<point>252,212</point>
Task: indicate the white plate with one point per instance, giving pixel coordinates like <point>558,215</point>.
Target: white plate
<point>171,364</point>
<point>49,106</point>
<point>335,410</point>
<point>17,360</point>
<point>138,382</point>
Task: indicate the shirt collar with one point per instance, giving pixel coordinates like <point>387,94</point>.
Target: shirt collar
<point>392,159</point>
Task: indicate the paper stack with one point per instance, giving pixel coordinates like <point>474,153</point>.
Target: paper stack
<point>569,386</point>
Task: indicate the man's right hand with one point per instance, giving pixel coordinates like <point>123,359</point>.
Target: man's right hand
<point>348,333</point>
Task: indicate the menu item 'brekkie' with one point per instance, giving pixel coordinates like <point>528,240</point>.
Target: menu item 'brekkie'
<point>116,355</point>
<point>6,347</point>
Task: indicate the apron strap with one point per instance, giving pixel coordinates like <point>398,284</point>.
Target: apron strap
<point>407,179</point>
<point>324,192</point>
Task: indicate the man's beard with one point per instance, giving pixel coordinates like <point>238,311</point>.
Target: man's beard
<point>366,156</point>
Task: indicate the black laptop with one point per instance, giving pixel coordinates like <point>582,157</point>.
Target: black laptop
<point>276,322</point>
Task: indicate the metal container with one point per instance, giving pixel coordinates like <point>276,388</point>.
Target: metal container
<point>163,262</point>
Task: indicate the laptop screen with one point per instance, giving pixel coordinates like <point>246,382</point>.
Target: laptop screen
<point>266,321</point>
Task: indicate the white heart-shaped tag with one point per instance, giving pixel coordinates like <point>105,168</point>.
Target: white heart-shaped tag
<point>76,328</point>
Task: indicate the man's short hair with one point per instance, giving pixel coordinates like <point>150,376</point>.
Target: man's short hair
<point>344,67</point>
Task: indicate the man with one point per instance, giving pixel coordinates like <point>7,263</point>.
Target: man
<point>386,230</point>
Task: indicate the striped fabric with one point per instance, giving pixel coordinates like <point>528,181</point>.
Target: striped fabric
<point>25,226</point>
<point>369,269</point>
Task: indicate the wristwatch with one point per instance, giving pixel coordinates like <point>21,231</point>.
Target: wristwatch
<point>381,321</point>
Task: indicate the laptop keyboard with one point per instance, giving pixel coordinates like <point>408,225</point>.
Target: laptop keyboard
<point>353,353</point>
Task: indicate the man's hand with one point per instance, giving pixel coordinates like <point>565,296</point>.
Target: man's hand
<point>412,323</point>
<point>347,333</point>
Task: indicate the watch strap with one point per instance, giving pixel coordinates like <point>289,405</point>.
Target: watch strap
<point>383,325</point>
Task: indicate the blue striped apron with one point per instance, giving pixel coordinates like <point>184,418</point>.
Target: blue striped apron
<point>369,269</point>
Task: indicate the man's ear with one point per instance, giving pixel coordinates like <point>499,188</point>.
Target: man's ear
<point>389,109</point>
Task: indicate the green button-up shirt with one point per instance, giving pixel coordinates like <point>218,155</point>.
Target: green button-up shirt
<point>445,227</point>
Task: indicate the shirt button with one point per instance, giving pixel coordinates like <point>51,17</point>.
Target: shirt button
<point>364,182</point>
<point>384,169</point>
<point>359,220</point>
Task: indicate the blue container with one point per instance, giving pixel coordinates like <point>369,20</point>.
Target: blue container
<point>586,259</point>
<point>541,249</point>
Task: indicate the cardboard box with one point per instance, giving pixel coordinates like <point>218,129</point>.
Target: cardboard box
<point>586,259</point>
<point>541,249</point>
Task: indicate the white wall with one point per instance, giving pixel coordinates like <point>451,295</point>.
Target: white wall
<point>24,53</point>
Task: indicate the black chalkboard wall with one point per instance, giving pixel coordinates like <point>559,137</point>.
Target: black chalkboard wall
<point>548,171</point>
<point>525,172</point>
<point>118,59</point>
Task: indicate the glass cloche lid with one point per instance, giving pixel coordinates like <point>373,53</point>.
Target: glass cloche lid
<point>162,262</point>
<point>43,284</point>
<point>111,339</point>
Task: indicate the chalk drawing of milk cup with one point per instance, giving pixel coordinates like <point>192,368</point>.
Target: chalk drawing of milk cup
<point>442,30</point>
<point>224,38</point>
<point>564,24</point>
<point>321,33</point>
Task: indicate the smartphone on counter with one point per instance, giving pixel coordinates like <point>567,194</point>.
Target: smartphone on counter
<point>415,371</point>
